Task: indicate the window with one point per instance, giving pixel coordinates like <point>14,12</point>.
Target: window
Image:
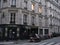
<point>12,18</point>
<point>13,3</point>
<point>46,21</point>
<point>40,9</point>
<point>25,1</point>
<point>46,31</point>
<point>33,20</point>
<point>33,6</point>
<point>3,15</point>
<point>4,1</point>
<point>25,19</point>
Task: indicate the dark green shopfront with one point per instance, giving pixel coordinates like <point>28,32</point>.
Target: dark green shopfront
<point>15,31</point>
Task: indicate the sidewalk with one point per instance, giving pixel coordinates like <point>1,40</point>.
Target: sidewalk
<point>21,41</point>
<point>24,41</point>
<point>13,42</point>
<point>6,42</point>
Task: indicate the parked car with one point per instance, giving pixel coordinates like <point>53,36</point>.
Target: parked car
<point>55,34</point>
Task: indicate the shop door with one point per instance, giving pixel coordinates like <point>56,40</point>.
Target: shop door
<point>24,33</point>
<point>12,33</point>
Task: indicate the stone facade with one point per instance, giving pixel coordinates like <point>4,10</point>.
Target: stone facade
<point>42,15</point>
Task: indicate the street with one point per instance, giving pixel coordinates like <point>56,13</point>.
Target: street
<point>53,41</point>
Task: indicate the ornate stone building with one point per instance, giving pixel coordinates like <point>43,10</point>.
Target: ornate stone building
<point>17,16</point>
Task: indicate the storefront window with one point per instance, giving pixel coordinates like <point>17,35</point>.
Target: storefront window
<point>46,31</point>
<point>41,31</point>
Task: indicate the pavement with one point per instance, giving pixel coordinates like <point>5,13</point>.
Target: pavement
<point>52,41</point>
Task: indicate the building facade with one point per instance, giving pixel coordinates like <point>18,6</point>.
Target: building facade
<point>17,16</point>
